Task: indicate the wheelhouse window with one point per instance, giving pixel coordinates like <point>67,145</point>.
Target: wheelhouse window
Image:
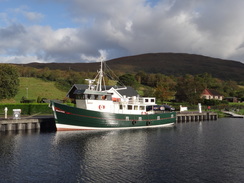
<point>142,107</point>
<point>92,97</point>
<point>129,107</point>
<point>135,107</point>
<point>79,96</point>
<point>109,97</point>
<point>104,97</point>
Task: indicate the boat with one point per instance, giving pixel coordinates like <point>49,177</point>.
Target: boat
<point>99,107</point>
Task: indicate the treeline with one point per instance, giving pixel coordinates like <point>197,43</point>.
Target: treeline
<point>176,64</point>
<point>185,88</point>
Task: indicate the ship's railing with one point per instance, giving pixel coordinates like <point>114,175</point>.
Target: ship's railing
<point>128,101</point>
<point>137,101</point>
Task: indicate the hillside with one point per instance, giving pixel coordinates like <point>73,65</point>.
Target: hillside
<point>37,87</point>
<point>165,63</point>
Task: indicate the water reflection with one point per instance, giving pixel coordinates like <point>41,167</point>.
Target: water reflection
<point>190,152</point>
<point>102,154</point>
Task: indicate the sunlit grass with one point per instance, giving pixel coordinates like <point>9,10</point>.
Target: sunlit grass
<point>32,88</point>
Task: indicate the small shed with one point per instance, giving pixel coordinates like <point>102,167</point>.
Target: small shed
<point>231,99</point>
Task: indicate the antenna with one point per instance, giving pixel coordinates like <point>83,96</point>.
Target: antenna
<point>90,82</point>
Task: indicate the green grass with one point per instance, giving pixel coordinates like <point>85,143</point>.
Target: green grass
<point>236,104</point>
<point>240,111</point>
<point>37,88</point>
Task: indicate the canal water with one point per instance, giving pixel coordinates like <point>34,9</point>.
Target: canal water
<point>209,151</point>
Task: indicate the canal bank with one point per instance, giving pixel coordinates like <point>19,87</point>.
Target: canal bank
<point>233,115</point>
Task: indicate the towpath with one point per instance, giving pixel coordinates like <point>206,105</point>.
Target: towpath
<point>234,115</point>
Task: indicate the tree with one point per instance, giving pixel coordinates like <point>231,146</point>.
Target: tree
<point>189,89</point>
<point>141,77</point>
<point>9,81</point>
<point>127,80</point>
<point>148,92</point>
<point>230,88</point>
<point>164,93</point>
<point>165,89</point>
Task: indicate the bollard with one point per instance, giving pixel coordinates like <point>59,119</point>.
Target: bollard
<point>200,107</point>
<point>6,112</point>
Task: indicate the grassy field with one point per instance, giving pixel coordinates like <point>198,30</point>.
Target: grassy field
<point>32,88</point>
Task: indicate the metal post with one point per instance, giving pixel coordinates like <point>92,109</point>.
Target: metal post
<point>200,107</point>
<point>6,112</point>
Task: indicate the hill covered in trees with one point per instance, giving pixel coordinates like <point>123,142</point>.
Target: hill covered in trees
<point>150,75</point>
<point>176,64</point>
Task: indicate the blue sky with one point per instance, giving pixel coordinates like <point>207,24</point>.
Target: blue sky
<point>45,12</point>
<point>82,31</point>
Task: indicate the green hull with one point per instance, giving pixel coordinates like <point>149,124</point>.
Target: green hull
<point>72,118</point>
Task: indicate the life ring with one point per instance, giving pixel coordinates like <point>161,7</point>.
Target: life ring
<point>101,107</point>
<point>144,113</point>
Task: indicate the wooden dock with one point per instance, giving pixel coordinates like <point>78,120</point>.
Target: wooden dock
<point>42,123</point>
<point>187,116</point>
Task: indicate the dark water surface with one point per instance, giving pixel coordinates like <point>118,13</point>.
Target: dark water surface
<point>210,151</point>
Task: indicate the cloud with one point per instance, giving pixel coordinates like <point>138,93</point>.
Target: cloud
<point>122,28</point>
<point>101,57</point>
<point>20,59</point>
<point>29,15</point>
<point>43,42</point>
<point>33,16</point>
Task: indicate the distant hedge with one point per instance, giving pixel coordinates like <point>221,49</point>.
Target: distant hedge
<point>213,102</point>
<point>27,108</point>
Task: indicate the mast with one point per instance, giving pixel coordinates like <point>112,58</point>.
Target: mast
<point>100,80</point>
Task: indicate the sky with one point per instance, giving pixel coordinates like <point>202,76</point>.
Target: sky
<point>83,31</point>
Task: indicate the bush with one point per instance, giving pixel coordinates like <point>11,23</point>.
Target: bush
<point>214,102</point>
<point>27,108</point>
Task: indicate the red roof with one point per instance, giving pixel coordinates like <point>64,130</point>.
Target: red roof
<point>211,92</point>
